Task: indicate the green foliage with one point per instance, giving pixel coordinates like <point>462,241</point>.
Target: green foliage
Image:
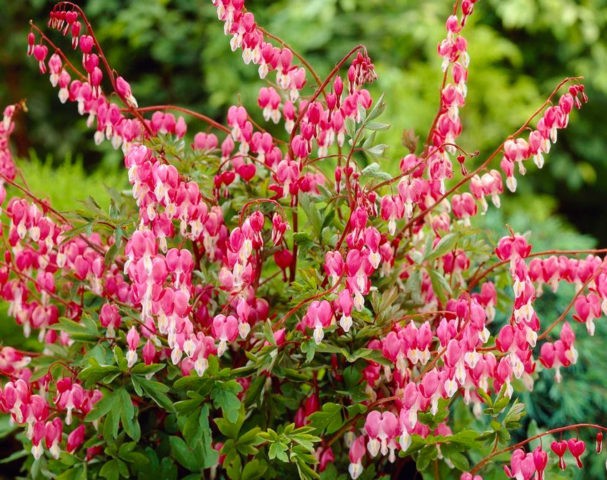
<point>67,185</point>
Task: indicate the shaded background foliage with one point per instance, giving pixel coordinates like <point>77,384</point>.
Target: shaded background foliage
<point>174,52</point>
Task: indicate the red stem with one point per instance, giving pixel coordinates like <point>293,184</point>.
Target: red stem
<point>576,426</point>
<point>562,316</point>
<point>294,222</point>
<point>477,277</point>
<point>297,55</point>
<point>110,71</point>
<point>187,111</point>
<point>256,202</point>
<point>59,52</point>
<point>484,165</point>
<point>283,319</point>
<point>320,89</point>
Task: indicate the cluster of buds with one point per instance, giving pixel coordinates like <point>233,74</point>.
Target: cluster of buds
<point>86,89</point>
<point>248,36</point>
<point>7,166</point>
<point>556,117</point>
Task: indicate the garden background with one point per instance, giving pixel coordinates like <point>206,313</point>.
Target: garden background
<point>174,52</point>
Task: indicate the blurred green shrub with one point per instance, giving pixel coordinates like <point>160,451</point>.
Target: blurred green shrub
<point>66,185</point>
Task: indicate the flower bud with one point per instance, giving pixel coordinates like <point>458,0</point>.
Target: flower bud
<point>75,439</point>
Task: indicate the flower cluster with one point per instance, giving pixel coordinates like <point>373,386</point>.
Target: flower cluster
<point>555,118</point>
<point>44,418</point>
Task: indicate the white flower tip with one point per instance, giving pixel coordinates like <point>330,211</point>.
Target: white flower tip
<point>346,323</point>
<point>355,470</point>
<point>319,334</point>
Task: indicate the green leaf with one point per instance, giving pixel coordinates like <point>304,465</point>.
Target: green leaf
<point>460,461</point>
<point>501,402</point>
<point>440,286</point>
<point>224,396</point>
<point>306,472</point>
<point>487,400</point>
<point>331,473</point>
<point>14,456</point>
<point>514,415</point>
<point>350,125</point>
<point>378,151</point>
<point>248,442</point>
<point>356,409</point>
<point>445,245</point>
<point>6,426</point>
<point>303,239</point>
<point>376,126</point>
<point>328,218</point>
<point>426,455</point>
<point>352,375</point>
<point>143,369</point>
<point>378,108</point>
<point>496,426</point>
<point>197,425</point>
<point>111,425</point>
<point>77,472</point>
<point>374,170</point>
<point>268,333</point>
<point>95,373</point>
<point>155,390</point>
<point>312,213</point>
<point>309,348</point>
<point>326,347</point>
<point>229,429</point>
<point>201,385</point>
<point>86,330</point>
<point>128,416</point>
<point>111,470</point>
<point>127,453</point>
<point>464,438</point>
<point>120,359</point>
<point>417,443</point>
<point>303,438</point>
<point>198,437</point>
<point>184,407</point>
<point>327,420</point>
<point>369,140</point>
<point>504,436</point>
<point>254,470</point>
<point>66,459</point>
<point>165,469</point>
<point>184,454</point>
<point>233,466</point>
<point>108,402</point>
<point>278,450</point>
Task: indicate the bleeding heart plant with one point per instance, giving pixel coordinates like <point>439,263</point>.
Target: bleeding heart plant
<point>269,301</point>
